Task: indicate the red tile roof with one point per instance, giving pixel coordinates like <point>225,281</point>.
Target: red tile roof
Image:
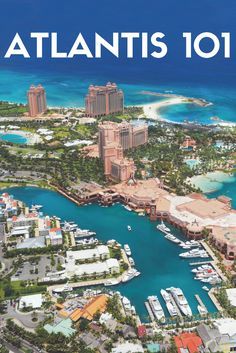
<point>141,331</point>
<point>188,341</point>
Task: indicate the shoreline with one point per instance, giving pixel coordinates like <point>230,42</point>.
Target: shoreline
<point>152,110</point>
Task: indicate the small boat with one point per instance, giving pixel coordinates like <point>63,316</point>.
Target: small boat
<point>205,288</point>
<point>202,310</point>
<point>129,228</point>
<point>127,208</point>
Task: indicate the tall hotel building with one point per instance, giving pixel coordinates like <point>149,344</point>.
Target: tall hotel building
<point>104,100</point>
<point>113,140</point>
<point>36,100</point>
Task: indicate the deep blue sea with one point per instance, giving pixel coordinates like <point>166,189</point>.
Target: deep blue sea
<point>156,257</point>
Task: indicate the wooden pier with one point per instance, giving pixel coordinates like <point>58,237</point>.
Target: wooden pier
<point>149,310</point>
<point>200,302</point>
<point>201,263</point>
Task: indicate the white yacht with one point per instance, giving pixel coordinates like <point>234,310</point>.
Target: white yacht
<point>127,208</point>
<point>194,253</point>
<point>181,301</point>
<point>165,295</point>
<point>171,309</point>
<point>202,310</point>
<point>62,289</point>
<point>129,228</point>
<point>156,308</point>
<point>130,274</point>
<point>127,249</point>
<point>111,282</point>
<point>205,288</point>
<point>131,261</point>
<point>126,303</point>
<point>172,238</point>
<point>163,228</point>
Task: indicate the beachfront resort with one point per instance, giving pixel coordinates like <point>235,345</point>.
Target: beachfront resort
<point>153,272</point>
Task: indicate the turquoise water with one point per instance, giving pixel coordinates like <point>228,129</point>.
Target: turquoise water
<point>156,258</point>
<point>67,89</point>
<point>227,189</point>
<point>192,162</point>
<point>14,138</point>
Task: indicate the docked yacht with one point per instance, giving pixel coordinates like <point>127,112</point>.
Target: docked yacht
<point>171,309</point>
<point>83,233</point>
<point>111,282</point>
<point>181,301</point>
<point>127,208</point>
<point>194,253</point>
<point>202,310</point>
<point>172,238</point>
<point>165,295</point>
<point>131,261</point>
<point>130,275</point>
<point>163,228</point>
<point>62,289</point>
<point>156,308</point>
<point>127,250</point>
<point>126,304</point>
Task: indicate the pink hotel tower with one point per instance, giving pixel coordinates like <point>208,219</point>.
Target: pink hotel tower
<point>104,100</point>
<point>113,140</point>
<point>36,100</point>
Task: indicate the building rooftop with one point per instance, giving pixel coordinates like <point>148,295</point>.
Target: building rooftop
<point>188,341</point>
<point>34,301</point>
<point>97,304</point>
<point>64,326</point>
<point>37,242</point>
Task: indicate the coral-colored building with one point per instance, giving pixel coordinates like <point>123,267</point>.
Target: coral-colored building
<point>104,100</point>
<point>113,140</point>
<point>188,342</point>
<point>36,100</point>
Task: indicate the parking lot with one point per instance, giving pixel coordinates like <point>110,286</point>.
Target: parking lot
<point>35,269</point>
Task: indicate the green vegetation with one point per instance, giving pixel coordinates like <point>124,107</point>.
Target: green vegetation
<point>12,109</point>
<point>222,297</point>
<point>13,289</point>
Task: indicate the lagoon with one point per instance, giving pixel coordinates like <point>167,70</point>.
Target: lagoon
<point>156,257</point>
<point>13,138</point>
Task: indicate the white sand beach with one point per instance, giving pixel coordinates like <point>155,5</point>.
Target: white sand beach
<point>212,181</point>
<point>151,110</point>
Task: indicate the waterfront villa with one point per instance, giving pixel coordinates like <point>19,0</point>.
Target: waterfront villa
<point>101,252</point>
<point>100,268</point>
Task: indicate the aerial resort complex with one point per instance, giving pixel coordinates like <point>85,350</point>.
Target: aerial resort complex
<point>117,228</point>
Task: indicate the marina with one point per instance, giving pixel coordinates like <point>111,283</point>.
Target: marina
<point>155,257</point>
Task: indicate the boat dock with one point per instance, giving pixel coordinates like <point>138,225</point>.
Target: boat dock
<point>215,260</point>
<point>149,310</point>
<point>199,263</point>
<point>200,302</point>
